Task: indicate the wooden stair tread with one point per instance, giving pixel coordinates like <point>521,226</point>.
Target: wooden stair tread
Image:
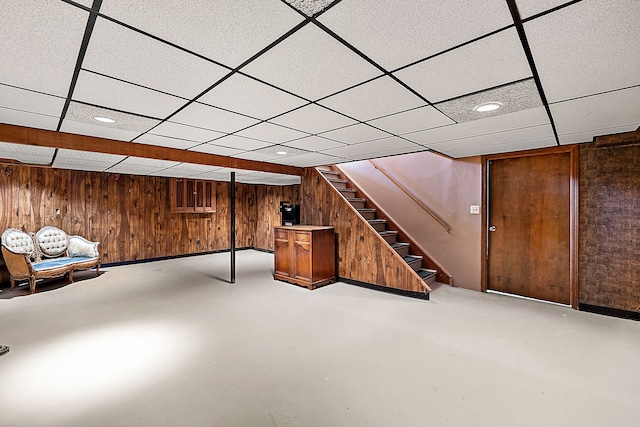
<point>387,232</point>
<point>356,199</point>
<point>411,258</point>
<point>425,273</point>
<point>399,244</point>
<point>332,180</point>
<point>376,221</point>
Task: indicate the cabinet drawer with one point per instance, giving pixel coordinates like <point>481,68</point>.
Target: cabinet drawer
<point>282,235</point>
<point>302,237</point>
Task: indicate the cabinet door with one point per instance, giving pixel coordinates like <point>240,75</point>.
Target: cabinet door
<point>302,255</point>
<point>281,253</point>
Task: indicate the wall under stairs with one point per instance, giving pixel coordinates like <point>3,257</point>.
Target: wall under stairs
<point>363,254</point>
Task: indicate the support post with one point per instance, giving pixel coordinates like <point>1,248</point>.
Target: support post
<point>232,203</point>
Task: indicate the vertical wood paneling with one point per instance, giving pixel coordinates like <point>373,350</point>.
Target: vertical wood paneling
<point>129,215</point>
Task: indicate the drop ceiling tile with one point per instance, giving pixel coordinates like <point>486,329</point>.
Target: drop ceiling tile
<point>311,159</point>
<point>251,97</point>
<point>587,48</point>
<point>241,143</point>
<point>23,118</point>
<point>313,119</point>
<point>229,31</point>
<point>27,153</point>
<point>35,32</point>
<point>579,120</point>
<point>29,101</point>
<point>355,134</point>
<point>412,120</point>
<point>106,92</point>
<point>310,8</point>
<point>521,119</point>
<point>529,144</point>
<point>165,141</point>
<point>312,64</point>
<point>528,8</point>
<point>86,114</point>
<point>154,163</point>
<point>514,97</point>
<point>255,155</point>
<point>187,170</point>
<point>377,98</point>
<point>271,133</point>
<point>180,131</point>
<point>388,153</point>
<point>99,131</point>
<point>132,169</point>
<point>314,143</point>
<point>540,132</point>
<point>125,54</point>
<point>393,144</point>
<point>486,63</point>
<point>397,32</point>
<point>85,160</point>
<point>216,149</point>
<point>204,116</point>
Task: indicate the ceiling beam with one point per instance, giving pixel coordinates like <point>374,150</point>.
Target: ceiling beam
<point>48,138</point>
<point>618,139</point>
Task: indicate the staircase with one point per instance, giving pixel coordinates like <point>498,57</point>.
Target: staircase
<point>370,215</point>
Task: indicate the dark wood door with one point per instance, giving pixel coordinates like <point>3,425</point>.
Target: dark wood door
<point>529,226</point>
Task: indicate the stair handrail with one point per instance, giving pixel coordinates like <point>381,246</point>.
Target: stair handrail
<point>414,198</point>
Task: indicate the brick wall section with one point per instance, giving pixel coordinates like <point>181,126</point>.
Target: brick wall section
<point>609,242</point>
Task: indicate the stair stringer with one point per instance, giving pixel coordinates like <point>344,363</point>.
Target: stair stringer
<point>442,276</point>
<point>362,254</point>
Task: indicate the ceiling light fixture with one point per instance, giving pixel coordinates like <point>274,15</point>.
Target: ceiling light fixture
<point>104,119</point>
<point>282,153</point>
<point>488,106</point>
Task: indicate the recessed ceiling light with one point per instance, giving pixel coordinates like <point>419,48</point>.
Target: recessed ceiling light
<point>488,106</point>
<point>282,153</point>
<point>104,119</point>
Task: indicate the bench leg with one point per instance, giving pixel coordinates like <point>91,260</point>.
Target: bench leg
<point>13,283</point>
<point>71,276</point>
<point>32,285</point>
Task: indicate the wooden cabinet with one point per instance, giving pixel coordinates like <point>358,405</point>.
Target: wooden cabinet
<point>192,196</point>
<point>305,255</point>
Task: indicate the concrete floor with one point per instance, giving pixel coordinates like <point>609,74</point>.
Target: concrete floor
<point>170,343</point>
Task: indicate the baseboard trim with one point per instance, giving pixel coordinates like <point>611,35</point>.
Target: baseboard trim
<point>411,294</point>
<point>164,258</point>
<point>613,312</point>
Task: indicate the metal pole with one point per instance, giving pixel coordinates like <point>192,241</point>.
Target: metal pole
<point>232,200</point>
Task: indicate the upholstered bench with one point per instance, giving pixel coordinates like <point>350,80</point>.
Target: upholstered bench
<point>49,253</point>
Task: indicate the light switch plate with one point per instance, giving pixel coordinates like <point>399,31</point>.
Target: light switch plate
<point>474,210</point>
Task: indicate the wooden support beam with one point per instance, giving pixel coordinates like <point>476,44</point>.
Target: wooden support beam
<point>47,138</point>
<point>618,140</point>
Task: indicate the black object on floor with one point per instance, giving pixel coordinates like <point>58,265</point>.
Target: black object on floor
<point>4,349</point>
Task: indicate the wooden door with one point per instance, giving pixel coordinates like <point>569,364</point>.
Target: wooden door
<point>282,255</point>
<point>529,226</point>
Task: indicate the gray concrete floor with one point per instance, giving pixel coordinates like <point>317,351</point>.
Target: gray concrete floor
<point>171,343</point>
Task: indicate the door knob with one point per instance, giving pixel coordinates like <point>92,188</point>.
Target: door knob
<point>492,228</point>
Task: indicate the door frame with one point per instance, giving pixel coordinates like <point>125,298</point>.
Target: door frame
<point>574,185</point>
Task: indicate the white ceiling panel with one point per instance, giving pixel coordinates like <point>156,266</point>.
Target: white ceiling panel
<point>248,96</point>
<point>397,32</point>
<point>378,98</point>
<point>23,118</point>
<point>229,31</point>
<point>314,143</point>
<point>519,120</point>
<point>271,133</point>
<point>311,159</point>
<point>204,116</point>
<point>529,144</point>
<point>216,149</point>
<point>497,138</point>
<point>97,130</point>
<point>412,120</point>
<point>27,153</point>
<point>255,155</point>
<point>388,153</point>
<point>595,48</point>
<point>125,54</point>
<point>187,170</point>
<point>153,163</point>
<point>241,143</point>
<point>322,65</point>
<point>393,144</point>
<point>180,131</point>
<point>490,62</point>
<point>355,134</point>
<point>579,120</point>
<point>84,160</point>
<point>99,90</point>
<point>33,102</point>
<point>40,44</point>
<point>310,8</point>
<point>86,114</point>
<point>313,119</point>
<point>528,8</point>
<point>165,141</point>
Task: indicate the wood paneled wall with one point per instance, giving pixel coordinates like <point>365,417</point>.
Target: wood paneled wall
<point>129,215</point>
<point>361,252</point>
<point>609,243</point>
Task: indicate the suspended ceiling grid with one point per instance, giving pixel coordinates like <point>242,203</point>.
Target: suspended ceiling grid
<point>322,81</point>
